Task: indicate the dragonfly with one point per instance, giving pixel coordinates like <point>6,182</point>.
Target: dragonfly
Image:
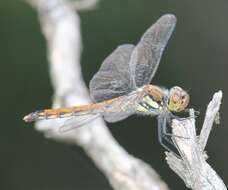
<point>121,87</point>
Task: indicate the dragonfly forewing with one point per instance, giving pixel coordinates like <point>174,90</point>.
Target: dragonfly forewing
<point>146,55</point>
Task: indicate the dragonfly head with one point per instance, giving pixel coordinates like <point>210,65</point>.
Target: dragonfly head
<point>178,99</point>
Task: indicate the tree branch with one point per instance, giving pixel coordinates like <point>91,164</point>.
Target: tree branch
<point>211,113</point>
<point>61,27</point>
<point>192,167</point>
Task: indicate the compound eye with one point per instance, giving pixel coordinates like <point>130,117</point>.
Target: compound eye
<point>175,98</point>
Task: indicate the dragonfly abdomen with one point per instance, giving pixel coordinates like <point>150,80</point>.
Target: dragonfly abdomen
<point>48,114</point>
<point>65,112</point>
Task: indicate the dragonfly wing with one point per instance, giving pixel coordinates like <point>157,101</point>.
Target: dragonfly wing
<point>147,54</point>
<point>123,107</point>
<point>129,66</point>
<point>77,121</point>
<point>114,117</point>
<point>113,78</point>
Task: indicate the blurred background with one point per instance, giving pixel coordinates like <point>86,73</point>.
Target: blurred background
<point>196,58</point>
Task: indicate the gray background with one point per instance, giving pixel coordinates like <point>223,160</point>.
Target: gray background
<point>196,59</point>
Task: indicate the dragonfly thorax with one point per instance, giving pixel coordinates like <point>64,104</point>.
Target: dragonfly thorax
<point>148,105</point>
<point>157,99</point>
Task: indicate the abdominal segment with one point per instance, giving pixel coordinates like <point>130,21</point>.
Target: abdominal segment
<point>69,111</point>
<point>63,112</point>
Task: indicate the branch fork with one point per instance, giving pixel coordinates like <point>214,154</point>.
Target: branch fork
<point>192,167</point>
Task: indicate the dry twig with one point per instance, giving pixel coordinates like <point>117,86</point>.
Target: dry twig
<point>193,168</point>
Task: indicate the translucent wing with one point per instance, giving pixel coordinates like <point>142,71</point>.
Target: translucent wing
<point>113,78</point>
<point>77,121</point>
<point>123,107</point>
<point>128,67</point>
<point>147,54</point>
<point>114,117</point>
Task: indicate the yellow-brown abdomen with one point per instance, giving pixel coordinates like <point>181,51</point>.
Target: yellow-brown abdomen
<point>66,112</point>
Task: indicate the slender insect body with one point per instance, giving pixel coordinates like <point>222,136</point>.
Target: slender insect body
<point>122,86</point>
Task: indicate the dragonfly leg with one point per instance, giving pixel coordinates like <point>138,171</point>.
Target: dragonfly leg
<point>164,136</point>
<point>167,129</point>
<point>196,112</point>
<point>183,118</point>
<point>171,134</point>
